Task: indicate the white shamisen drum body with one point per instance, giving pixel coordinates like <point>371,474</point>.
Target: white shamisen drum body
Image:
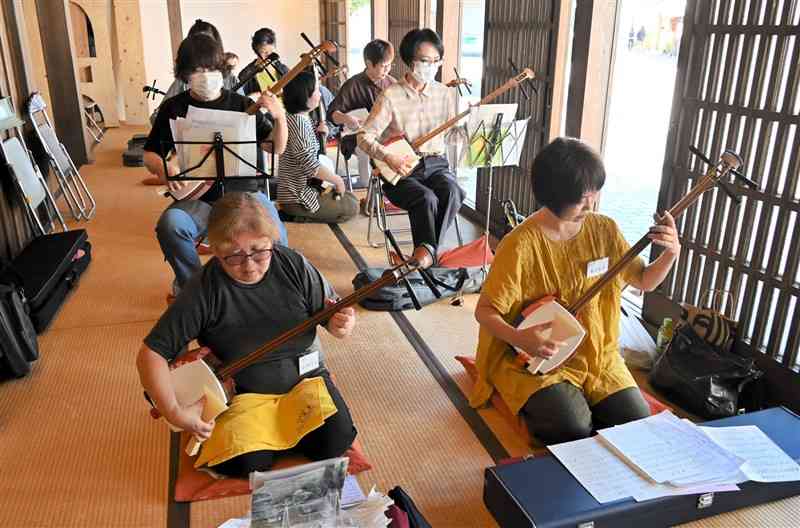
<point>565,328</point>
<point>190,382</point>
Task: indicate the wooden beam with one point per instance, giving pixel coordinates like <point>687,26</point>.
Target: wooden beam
<point>380,19</point>
<point>175,25</point>
<point>38,80</point>
<point>560,81</point>
<point>592,61</point>
<point>59,58</point>
<point>19,52</point>
<point>449,27</point>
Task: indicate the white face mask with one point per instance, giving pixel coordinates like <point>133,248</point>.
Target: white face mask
<point>425,72</point>
<point>206,85</point>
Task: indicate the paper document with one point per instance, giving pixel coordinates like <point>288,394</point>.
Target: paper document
<point>351,492</point>
<point>765,461</point>
<point>201,124</point>
<point>360,114</point>
<point>608,478</point>
<point>668,450</point>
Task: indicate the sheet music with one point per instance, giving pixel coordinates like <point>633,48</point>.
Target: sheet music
<point>201,124</point>
<point>608,478</point>
<point>667,450</point>
<point>765,461</point>
<point>360,114</point>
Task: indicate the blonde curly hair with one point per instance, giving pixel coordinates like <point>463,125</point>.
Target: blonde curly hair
<point>236,213</point>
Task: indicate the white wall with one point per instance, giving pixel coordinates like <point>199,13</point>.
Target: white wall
<point>236,21</point>
<point>158,60</point>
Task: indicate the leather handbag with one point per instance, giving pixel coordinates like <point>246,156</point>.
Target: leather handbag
<point>705,379</point>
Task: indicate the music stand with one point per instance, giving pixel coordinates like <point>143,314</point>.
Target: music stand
<point>495,140</point>
<point>218,148</point>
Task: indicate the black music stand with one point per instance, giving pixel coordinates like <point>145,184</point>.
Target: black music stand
<point>218,148</point>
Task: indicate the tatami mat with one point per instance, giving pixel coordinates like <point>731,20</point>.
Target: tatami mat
<point>448,330</point>
<point>77,445</point>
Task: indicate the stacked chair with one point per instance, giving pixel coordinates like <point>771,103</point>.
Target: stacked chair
<point>80,201</point>
<point>51,264</point>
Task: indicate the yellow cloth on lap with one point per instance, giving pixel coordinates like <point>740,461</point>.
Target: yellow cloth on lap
<point>273,422</point>
<point>529,266</point>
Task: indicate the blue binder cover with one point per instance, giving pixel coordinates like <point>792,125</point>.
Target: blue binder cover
<point>541,493</point>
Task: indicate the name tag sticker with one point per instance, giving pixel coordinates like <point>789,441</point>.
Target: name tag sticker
<point>308,362</point>
<point>597,267</point>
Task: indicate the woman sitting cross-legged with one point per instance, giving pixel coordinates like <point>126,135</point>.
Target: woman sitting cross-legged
<point>301,173</point>
<point>252,291</point>
<point>562,249</point>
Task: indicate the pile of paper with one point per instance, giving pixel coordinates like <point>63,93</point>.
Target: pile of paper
<point>202,124</point>
<point>662,455</point>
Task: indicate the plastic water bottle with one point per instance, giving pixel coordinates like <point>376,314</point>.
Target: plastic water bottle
<point>664,335</point>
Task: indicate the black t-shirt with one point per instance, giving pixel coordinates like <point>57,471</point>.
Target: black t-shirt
<point>234,319</point>
<point>160,139</point>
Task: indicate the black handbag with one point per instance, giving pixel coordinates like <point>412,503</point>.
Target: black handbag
<point>18,344</point>
<point>704,379</point>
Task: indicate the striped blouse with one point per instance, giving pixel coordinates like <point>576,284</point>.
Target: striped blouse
<point>298,163</point>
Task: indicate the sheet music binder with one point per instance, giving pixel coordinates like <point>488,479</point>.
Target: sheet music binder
<point>541,493</point>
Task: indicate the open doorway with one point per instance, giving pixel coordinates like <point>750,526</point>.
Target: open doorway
<point>470,66</point>
<point>359,33</point>
<point>645,65</point>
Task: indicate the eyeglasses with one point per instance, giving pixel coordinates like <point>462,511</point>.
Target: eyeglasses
<point>238,259</point>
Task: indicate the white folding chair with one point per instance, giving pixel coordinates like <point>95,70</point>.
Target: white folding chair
<point>76,193</point>
<point>30,183</point>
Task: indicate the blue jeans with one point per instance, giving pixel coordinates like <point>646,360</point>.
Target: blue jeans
<point>184,223</point>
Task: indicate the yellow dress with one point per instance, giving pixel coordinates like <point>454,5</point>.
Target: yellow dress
<point>271,422</point>
<point>529,266</point>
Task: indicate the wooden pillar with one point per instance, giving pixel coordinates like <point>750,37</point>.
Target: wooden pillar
<point>175,25</point>
<point>16,30</point>
<point>448,25</point>
<point>38,79</point>
<point>130,65</point>
<point>59,58</point>
<point>380,19</point>
<point>592,61</point>
<point>557,121</point>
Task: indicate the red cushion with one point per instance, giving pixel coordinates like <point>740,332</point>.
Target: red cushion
<point>193,485</point>
<point>516,420</point>
<point>468,255</point>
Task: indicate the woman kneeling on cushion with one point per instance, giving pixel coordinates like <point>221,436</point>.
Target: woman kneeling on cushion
<point>560,250</point>
<point>251,292</point>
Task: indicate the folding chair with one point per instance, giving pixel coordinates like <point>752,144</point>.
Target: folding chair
<point>22,168</point>
<point>91,110</point>
<point>80,201</point>
<point>380,214</point>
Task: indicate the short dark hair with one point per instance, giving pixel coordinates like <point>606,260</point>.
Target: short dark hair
<point>377,50</point>
<point>415,37</point>
<point>564,171</point>
<point>201,27</point>
<point>298,91</point>
<point>198,51</point>
<point>262,36</point>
